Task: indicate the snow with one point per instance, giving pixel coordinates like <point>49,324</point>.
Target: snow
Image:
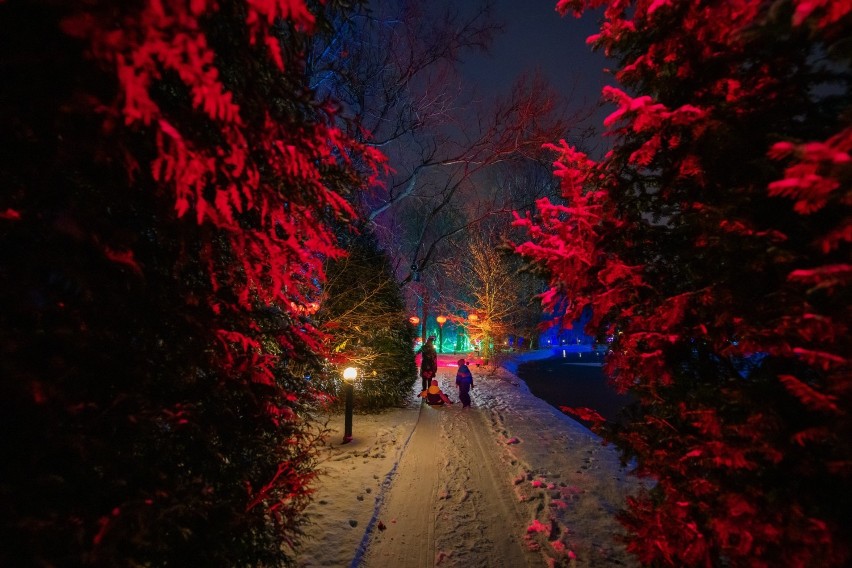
<point>510,482</point>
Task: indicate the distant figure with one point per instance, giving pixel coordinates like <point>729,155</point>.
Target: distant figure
<point>464,380</point>
<point>434,395</point>
<point>429,362</point>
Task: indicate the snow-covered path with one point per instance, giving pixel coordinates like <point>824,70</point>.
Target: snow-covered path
<point>451,502</point>
<point>509,482</point>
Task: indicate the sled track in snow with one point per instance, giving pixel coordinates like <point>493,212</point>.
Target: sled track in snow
<point>380,499</point>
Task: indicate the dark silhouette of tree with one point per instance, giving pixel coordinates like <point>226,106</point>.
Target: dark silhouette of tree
<point>713,244</point>
<point>393,66</point>
<point>444,192</point>
<point>364,317</point>
<point>169,184</point>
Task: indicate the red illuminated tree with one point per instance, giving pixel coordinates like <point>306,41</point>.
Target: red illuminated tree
<point>169,184</point>
<point>712,242</point>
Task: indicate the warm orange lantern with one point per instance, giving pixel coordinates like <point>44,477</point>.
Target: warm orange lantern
<point>441,321</point>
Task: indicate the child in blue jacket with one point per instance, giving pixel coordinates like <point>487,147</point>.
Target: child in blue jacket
<point>464,380</point>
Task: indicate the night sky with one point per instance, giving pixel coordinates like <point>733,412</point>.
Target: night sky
<point>537,37</point>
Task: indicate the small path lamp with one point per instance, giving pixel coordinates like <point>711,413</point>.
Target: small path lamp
<point>349,376</point>
<point>441,321</point>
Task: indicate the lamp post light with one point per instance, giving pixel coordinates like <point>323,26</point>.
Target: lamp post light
<point>349,376</point>
<point>441,321</point>
<point>414,320</point>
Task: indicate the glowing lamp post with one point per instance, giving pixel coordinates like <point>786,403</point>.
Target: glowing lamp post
<point>349,376</point>
<point>441,321</point>
<point>414,320</point>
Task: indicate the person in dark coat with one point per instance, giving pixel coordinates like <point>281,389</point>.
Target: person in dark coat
<point>434,395</point>
<point>428,362</point>
<point>464,380</point>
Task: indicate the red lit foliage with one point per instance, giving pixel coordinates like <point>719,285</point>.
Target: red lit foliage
<point>169,184</point>
<point>712,243</point>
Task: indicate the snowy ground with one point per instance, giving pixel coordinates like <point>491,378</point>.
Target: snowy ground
<point>510,482</point>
